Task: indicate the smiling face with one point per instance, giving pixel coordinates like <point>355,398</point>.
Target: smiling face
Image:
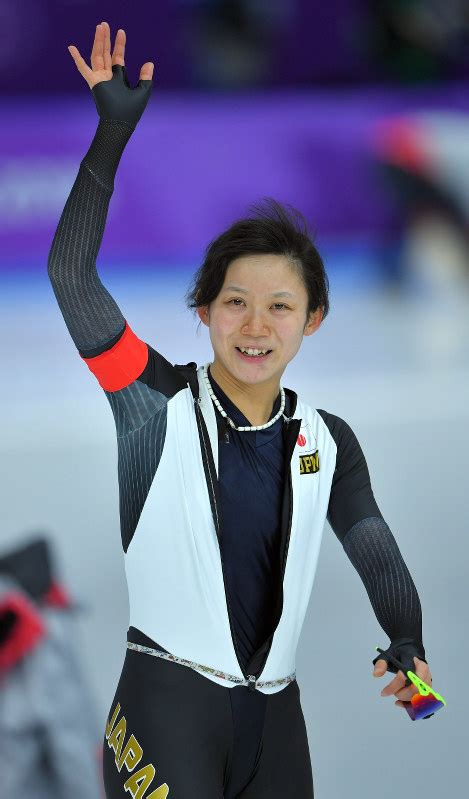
<point>262,304</point>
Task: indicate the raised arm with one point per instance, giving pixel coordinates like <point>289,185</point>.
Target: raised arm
<point>93,318</point>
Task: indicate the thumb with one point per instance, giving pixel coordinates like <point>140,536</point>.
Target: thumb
<point>381,667</point>
<point>146,72</point>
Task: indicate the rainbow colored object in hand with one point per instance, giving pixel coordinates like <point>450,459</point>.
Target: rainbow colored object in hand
<point>423,704</point>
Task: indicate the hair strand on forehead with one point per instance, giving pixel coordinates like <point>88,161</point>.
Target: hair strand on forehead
<point>270,229</point>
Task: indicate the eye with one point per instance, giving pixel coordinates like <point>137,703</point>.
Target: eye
<point>238,299</point>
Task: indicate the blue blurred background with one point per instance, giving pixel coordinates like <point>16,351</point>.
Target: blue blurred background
<point>357,114</point>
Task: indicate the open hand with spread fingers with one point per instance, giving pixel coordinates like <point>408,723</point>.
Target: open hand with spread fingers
<point>114,97</point>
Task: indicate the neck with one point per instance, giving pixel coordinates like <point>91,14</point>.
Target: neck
<point>255,402</point>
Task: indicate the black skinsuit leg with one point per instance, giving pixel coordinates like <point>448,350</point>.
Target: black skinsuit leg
<point>196,739</point>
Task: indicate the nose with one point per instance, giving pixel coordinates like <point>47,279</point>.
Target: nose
<point>255,323</point>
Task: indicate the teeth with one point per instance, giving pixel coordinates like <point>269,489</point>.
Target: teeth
<point>253,352</point>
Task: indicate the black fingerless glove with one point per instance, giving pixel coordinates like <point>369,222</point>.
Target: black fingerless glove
<point>404,649</point>
<point>117,101</point>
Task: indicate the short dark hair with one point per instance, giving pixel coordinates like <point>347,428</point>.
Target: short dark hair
<point>272,230</point>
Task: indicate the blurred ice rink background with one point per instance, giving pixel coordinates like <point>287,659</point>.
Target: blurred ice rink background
<point>357,114</point>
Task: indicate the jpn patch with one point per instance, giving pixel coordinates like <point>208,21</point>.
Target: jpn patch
<point>309,463</point>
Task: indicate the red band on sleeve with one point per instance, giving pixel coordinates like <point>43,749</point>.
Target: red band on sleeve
<point>122,364</point>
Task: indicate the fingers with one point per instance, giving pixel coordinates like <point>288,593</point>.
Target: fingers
<point>107,46</point>
<point>101,60</point>
<point>146,72</point>
<point>81,64</point>
<point>397,683</point>
<point>421,671</point>
<point>405,692</point>
<point>118,54</point>
<point>97,53</point>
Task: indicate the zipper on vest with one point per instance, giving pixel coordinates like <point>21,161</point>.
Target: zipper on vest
<point>284,564</point>
<point>201,424</point>
<point>287,545</point>
<point>251,678</point>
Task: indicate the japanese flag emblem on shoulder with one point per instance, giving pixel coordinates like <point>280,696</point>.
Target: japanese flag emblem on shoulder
<point>307,447</point>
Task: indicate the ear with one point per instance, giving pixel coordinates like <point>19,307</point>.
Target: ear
<point>203,313</point>
<point>315,319</point>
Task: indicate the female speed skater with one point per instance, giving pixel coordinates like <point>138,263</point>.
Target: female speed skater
<point>207,704</point>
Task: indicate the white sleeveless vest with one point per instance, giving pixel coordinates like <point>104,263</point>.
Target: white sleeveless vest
<point>173,564</point>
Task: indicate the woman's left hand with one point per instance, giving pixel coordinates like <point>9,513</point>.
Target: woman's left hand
<point>396,686</point>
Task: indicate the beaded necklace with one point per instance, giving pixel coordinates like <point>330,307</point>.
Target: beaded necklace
<point>230,421</point>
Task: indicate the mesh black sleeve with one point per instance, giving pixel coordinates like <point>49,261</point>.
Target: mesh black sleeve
<point>373,550</point>
<point>93,318</point>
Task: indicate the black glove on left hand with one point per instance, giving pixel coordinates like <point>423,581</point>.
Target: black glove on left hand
<point>404,649</point>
